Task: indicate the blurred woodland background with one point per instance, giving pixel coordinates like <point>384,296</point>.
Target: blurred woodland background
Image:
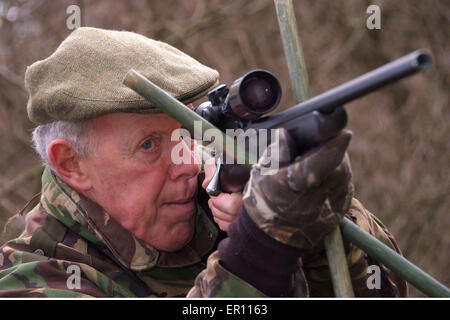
<point>400,150</point>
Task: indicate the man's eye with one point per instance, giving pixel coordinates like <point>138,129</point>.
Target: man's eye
<point>147,145</point>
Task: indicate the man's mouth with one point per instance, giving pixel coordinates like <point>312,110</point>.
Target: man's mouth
<point>185,206</point>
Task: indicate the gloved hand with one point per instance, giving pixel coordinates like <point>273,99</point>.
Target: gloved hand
<point>307,197</point>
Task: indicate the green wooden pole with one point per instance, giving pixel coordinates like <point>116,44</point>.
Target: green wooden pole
<point>293,49</point>
<point>391,259</point>
<point>334,246</point>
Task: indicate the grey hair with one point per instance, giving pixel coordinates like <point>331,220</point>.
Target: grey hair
<point>79,134</point>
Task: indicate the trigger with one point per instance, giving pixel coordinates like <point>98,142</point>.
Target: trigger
<point>213,187</point>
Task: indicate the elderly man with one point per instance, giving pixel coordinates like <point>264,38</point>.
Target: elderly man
<point>118,218</point>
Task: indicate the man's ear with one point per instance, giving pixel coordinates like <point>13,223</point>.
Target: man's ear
<point>66,162</point>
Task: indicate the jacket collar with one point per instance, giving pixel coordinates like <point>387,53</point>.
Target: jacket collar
<point>93,223</point>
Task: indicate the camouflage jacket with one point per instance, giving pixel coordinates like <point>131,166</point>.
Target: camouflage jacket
<point>72,248</point>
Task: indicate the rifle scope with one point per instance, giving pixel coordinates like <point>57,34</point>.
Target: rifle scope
<point>255,94</point>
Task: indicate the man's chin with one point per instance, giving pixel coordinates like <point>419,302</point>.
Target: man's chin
<point>177,240</point>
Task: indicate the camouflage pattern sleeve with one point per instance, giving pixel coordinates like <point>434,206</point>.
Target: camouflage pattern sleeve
<point>217,282</point>
<point>315,263</point>
<point>24,273</point>
<point>27,275</point>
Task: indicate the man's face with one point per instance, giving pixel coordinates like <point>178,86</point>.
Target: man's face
<point>135,181</point>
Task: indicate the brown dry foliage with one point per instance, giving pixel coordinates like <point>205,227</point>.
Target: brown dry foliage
<point>400,150</point>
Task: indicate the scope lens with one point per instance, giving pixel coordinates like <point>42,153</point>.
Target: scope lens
<point>259,93</point>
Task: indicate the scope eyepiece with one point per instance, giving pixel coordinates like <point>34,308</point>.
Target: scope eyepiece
<point>254,94</point>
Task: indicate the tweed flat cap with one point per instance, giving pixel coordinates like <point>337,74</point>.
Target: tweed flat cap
<point>82,79</point>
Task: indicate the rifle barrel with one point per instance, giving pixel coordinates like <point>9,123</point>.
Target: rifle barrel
<point>326,102</point>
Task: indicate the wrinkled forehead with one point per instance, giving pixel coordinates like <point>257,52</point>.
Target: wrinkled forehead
<point>128,125</point>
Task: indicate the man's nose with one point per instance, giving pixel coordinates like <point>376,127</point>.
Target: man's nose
<point>183,167</point>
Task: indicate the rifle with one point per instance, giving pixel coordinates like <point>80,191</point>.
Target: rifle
<point>322,118</point>
<point>310,123</point>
